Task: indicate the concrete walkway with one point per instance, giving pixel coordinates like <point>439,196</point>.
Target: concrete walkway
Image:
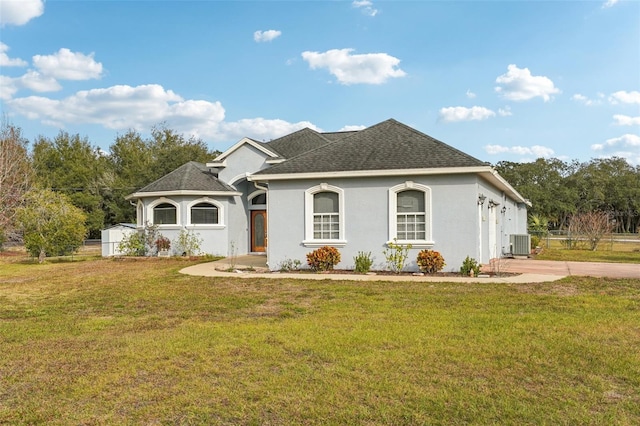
<point>242,265</point>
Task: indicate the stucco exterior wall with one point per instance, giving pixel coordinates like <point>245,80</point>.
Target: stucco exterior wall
<point>244,159</point>
<point>215,238</point>
<point>454,215</point>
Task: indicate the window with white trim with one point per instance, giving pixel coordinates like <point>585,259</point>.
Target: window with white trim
<point>410,214</point>
<point>204,214</point>
<point>326,220</point>
<point>324,216</point>
<point>165,214</point>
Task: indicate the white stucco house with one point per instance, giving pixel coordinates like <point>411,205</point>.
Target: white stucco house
<point>356,191</point>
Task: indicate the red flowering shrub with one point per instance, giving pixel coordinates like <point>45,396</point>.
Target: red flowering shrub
<point>430,261</point>
<point>323,259</point>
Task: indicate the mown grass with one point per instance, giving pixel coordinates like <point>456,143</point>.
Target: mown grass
<point>135,342</point>
<point>608,251</point>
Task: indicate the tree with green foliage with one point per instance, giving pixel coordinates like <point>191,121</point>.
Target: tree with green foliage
<point>136,162</point>
<point>70,165</point>
<point>51,224</point>
<point>15,175</point>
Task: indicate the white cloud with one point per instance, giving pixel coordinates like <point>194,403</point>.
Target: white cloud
<point>470,94</point>
<point>8,87</point>
<point>519,85</point>
<point>628,141</point>
<point>68,65</point>
<point>37,82</point>
<point>475,113</point>
<point>19,12</point>
<point>586,101</point>
<point>505,112</point>
<point>626,146</point>
<point>6,61</point>
<point>351,128</point>
<point>625,97</point>
<point>141,107</point>
<point>536,150</point>
<point>263,36</point>
<point>625,120</point>
<point>609,3</point>
<point>366,6</point>
<point>260,128</point>
<point>369,68</point>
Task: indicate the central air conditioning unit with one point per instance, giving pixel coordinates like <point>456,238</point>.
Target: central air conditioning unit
<point>520,244</point>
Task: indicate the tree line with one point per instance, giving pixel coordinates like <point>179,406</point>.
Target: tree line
<point>96,181</point>
<point>93,180</point>
<point>560,190</point>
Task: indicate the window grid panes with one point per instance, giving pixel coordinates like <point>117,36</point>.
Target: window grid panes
<point>164,214</point>
<point>326,217</point>
<point>326,226</point>
<point>411,216</point>
<point>204,213</point>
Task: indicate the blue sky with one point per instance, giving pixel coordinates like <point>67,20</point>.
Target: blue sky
<point>500,80</point>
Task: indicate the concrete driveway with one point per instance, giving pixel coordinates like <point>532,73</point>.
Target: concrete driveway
<point>553,267</point>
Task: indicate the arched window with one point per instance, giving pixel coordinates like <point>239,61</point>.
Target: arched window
<point>410,214</point>
<point>259,199</point>
<point>204,213</point>
<point>164,214</point>
<point>324,216</point>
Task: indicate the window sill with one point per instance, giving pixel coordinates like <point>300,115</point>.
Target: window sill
<point>322,243</point>
<point>417,244</point>
<point>204,226</point>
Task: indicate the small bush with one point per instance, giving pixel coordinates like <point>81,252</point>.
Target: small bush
<point>188,243</point>
<point>162,243</point>
<point>430,261</point>
<point>323,259</point>
<point>396,255</point>
<point>535,241</point>
<point>132,245</point>
<point>363,262</point>
<point>470,264</point>
<point>288,265</point>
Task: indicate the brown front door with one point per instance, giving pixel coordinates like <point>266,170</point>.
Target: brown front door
<point>258,230</point>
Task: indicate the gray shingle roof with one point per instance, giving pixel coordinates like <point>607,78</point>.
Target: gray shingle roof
<point>191,176</point>
<point>389,145</point>
<point>297,143</point>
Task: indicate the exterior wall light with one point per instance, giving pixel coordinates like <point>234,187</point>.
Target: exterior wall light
<point>481,199</point>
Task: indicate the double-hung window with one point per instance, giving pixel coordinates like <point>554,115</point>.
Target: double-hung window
<point>324,216</point>
<point>410,214</point>
<point>326,220</point>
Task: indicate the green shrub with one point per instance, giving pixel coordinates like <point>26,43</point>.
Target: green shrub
<point>430,261</point>
<point>323,259</point>
<point>188,243</point>
<point>470,264</point>
<point>535,241</point>
<point>132,245</point>
<point>363,262</point>
<point>396,255</point>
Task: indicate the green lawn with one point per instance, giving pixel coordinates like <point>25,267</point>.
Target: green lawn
<point>135,342</point>
<point>608,251</point>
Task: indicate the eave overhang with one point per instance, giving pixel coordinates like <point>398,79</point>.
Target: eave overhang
<point>486,172</point>
<point>137,195</point>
